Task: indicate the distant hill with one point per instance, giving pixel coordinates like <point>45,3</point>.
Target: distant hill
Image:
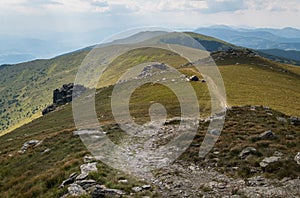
<point>285,39</point>
<point>290,54</point>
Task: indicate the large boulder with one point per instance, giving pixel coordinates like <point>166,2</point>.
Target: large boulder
<point>64,95</point>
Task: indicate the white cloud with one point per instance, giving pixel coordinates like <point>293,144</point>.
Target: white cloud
<point>84,15</point>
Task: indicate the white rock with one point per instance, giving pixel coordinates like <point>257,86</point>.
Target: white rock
<point>89,167</point>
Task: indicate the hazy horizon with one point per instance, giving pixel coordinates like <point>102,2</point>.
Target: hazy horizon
<point>64,25</point>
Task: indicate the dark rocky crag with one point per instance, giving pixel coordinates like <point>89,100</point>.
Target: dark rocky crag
<point>64,95</point>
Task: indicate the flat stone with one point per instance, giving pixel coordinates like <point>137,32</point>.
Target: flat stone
<point>267,135</point>
<point>146,187</point>
<point>76,190</point>
<point>101,191</point>
<point>123,181</point>
<point>82,176</point>
<point>268,160</point>
<point>85,184</point>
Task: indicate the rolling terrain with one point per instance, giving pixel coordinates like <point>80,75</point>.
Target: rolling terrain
<point>262,96</point>
<point>21,103</point>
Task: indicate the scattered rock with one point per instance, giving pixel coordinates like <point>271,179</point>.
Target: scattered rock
<point>146,187</point>
<point>28,144</point>
<point>76,190</point>
<point>288,189</point>
<point>267,135</point>
<point>89,167</point>
<point>268,160</point>
<point>247,151</point>
<point>297,158</point>
<point>278,154</point>
<point>46,150</point>
<point>295,121</point>
<point>194,78</point>
<point>137,189</point>
<point>68,181</point>
<point>123,181</point>
<point>151,70</point>
<point>257,181</point>
<point>101,191</point>
<point>89,159</point>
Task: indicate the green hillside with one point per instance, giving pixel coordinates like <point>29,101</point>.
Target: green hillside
<point>27,88</point>
<point>37,173</point>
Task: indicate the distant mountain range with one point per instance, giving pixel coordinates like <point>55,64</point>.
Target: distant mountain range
<point>261,38</point>
<point>16,50</point>
<point>284,43</point>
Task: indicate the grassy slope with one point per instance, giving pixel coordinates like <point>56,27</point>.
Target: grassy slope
<point>20,101</point>
<point>38,174</point>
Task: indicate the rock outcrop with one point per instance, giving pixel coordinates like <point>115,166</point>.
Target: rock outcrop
<point>64,95</point>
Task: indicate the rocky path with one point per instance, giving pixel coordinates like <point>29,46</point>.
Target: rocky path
<point>139,156</point>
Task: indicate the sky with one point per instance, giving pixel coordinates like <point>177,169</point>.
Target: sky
<point>47,28</point>
<point>45,17</point>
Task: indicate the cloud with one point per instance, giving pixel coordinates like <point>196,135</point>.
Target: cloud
<point>16,16</point>
<point>274,5</point>
<point>41,2</point>
<point>215,6</point>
